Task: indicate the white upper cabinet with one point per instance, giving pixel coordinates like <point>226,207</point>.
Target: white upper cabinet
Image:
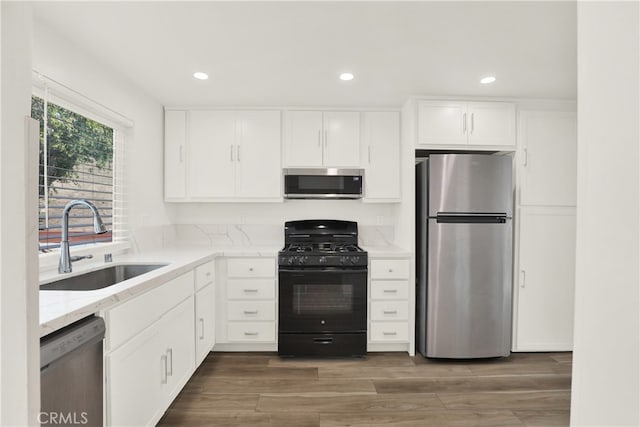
<point>548,162</point>
<point>304,138</point>
<point>342,139</point>
<point>225,155</point>
<point>258,171</point>
<point>455,123</point>
<point>175,140</point>
<point>212,146</point>
<point>381,156</point>
<point>322,139</point>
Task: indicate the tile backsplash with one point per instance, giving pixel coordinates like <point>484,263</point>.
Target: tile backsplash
<point>235,235</point>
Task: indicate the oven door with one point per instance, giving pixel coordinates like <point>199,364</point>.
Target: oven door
<point>322,300</point>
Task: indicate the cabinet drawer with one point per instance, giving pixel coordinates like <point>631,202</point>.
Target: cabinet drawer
<point>251,289</point>
<point>389,331</point>
<point>389,310</point>
<point>251,267</point>
<point>251,331</point>
<point>130,317</point>
<point>205,274</point>
<point>390,269</point>
<point>251,310</point>
<point>389,289</point>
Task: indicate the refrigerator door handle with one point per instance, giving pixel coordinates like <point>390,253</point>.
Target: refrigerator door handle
<point>496,218</point>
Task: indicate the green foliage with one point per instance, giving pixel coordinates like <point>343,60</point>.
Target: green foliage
<point>72,140</point>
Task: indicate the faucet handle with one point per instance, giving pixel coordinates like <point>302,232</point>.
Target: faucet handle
<point>78,258</point>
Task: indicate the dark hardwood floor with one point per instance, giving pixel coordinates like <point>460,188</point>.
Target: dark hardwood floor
<point>383,389</point>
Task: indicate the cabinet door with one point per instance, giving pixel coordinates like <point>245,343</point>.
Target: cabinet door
<point>205,327</point>
<point>179,347</point>
<point>175,170</point>
<point>136,378</point>
<point>304,139</point>
<point>442,123</point>
<point>212,153</point>
<point>341,139</point>
<point>548,158</point>
<point>381,155</point>
<point>546,279</point>
<point>491,123</point>
<point>258,171</point>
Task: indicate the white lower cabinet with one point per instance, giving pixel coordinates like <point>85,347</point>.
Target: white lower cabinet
<point>544,290</point>
<point>146,373</point>
<point>246,306</point>
<point>154,343</point>
<point>205,322</point>
<point>389,304</point>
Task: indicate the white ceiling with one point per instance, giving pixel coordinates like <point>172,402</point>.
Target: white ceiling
<point>290,53</point>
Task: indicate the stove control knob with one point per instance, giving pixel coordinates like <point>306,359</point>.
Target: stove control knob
<point>354,259</point>
<point>290,260</point>
<point>322,260</point>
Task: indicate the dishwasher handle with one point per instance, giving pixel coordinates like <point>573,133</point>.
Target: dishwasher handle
<point>82,333</point>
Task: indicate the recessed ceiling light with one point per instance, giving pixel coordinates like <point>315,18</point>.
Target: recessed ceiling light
<point>487,80</point>
<point>346,76</point>
<point>200,75</point>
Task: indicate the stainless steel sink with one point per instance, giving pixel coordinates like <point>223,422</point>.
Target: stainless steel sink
<point>99,279</point>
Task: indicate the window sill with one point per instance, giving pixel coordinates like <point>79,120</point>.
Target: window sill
<point>49,261</point>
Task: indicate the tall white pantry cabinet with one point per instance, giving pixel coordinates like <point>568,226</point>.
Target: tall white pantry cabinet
<point>545,212</point>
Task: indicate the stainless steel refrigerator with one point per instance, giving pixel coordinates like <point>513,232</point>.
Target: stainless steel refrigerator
<point>464,255</point>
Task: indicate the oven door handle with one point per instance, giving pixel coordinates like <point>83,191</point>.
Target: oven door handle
<point>324,341</point>
<point>323,270</point>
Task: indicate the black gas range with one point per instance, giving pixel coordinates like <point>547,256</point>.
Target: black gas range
<point>322,290</point>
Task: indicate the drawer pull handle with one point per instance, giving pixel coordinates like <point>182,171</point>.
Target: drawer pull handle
<point>251,334</point>
<point>201,328</point>
<point>390,311</point>
<point>251,312</point>
<point>323,340</point>
<point>163,370</point>
<point>390,291</point>
<point>251,290</point>
<point>170,361</point>
<point>389,333</point>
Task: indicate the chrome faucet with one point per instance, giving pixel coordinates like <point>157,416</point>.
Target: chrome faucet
<point>64,266</point>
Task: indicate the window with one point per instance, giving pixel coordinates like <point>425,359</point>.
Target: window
<point>76,162</point>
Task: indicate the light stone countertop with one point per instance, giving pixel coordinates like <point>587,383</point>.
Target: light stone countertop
<point>61,308</point>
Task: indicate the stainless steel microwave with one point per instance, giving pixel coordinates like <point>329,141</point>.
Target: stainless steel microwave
<point>326,183</point>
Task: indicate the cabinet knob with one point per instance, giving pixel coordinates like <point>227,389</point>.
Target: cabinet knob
<point>391,270</point>
<point>250,268</point>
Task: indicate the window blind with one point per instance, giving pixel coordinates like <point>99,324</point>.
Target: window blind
<point>80,158</point>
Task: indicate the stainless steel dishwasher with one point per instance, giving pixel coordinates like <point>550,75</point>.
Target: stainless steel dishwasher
<point>71,374</point>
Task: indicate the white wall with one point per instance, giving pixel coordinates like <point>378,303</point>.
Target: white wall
<point>59,59</point>
<point>605,385</point>
<point>19,370</point>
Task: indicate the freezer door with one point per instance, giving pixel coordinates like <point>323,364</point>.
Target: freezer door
<point>469,290</point>
<point>470,183</point>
